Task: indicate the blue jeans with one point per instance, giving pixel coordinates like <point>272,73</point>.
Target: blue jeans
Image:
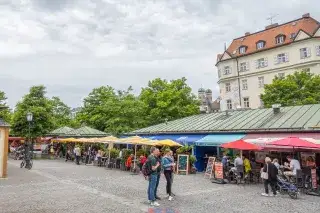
<point>153,185</point>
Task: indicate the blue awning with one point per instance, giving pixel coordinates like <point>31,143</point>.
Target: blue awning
<point>189,139</point>
<point>218,139</point>
<point>162,137</point>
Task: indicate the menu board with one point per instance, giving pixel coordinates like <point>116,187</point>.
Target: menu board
<point>183,164</point>
<point>209,169</point>
<point>218,170</point>
<point>260,156</point>
<point>314,178</point>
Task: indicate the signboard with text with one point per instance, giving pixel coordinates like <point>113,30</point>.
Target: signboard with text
<point>314,178</point>
<point>209,169</point>
<point>218,170</point>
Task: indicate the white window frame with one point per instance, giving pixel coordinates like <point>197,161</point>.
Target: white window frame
<point>305,53</point>
<point>261,81</point>
<point>244,83</point>
<point>227,70</point>
<point>282,58</point>
<point>244,66</point>
<point>260,45</point>
<point>228,87</point>
<point>318,50</point>
<point>262,62</point>
<point>229,104</point>
<point>242,50</point>
<point>246,102</point>
<point>280,39</point>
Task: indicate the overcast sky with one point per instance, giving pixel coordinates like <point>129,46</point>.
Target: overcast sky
<point>72,46</point>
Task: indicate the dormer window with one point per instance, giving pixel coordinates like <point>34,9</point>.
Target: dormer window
<point>280,39</point>
<point>242,49</point>
<point>260,44</point>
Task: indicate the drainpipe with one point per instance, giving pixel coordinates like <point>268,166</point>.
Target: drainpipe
<point>239,89</point>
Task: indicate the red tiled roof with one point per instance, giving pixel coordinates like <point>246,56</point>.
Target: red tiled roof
<point>307,24</point>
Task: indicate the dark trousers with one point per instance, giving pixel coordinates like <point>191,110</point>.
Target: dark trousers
<point>272,183</point>
<point>168,175</point>
<point>78,160</point>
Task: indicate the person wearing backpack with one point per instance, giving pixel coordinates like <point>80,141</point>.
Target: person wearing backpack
<point>151,169</point>
<point>168,165</point>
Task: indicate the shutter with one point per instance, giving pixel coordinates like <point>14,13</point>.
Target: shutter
<point>230,68</point>
<point>257,65</point>
<point>286,56</point>
<point>265,62</point>
<point>308,52</point>
<point>318,50</point>
<point>275,59</point>
<point>247,65</point>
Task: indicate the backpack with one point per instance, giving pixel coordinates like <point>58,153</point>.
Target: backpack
<point>146,168</point>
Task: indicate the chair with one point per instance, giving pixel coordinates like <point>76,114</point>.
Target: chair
<point>298,179</point>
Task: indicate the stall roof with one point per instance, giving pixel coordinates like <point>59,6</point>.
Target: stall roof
<point>61,131</point>
<point>218,139</point>
<point>86,132</point>
<point>294,118</point>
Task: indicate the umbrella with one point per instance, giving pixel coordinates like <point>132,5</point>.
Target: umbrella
<point>240,145</point>
<point>167,142</point>
<point>295,143</point>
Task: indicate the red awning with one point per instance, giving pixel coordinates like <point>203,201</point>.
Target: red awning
<point>241,145</point>
<point>294,142</point>
<point>15,138</point>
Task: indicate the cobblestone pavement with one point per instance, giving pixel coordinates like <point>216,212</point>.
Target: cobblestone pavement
<point>55,186</point>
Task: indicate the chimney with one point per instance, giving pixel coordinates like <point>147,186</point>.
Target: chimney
<point>306,15</point>
<point>247,33</point>
<point>271,26</point>
<point>276,108</point>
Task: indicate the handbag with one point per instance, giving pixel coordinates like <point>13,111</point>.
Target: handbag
<point>265,175</point>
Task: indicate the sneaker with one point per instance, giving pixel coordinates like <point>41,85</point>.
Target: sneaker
<point>155,204</point>
<point>149,201</point>
<point>170,198</point>
<point>264,194</point>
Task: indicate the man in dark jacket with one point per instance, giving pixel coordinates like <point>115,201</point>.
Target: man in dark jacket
<point>272,171</point>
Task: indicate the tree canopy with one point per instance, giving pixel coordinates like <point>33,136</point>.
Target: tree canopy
<point>61,113</point>
<point>168,100</point>
<point>40,106</point>
<point>296,89</point>
<point>5,113</point>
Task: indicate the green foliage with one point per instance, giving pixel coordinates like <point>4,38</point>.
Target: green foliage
<point>114,153</point>
<point>40,106</point>
<point>192,159</point>
<point>184,149</point>
<point>5,113</point>
<point>113,112</point>
<point>297,89</point>
<point>142,152</point>
<point>167,101</point>
<point>61,113</point>
<point>126,153</point>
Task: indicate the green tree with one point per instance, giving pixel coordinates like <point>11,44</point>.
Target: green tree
<point>111,111</point>
<point>168,100</point>
<point>61,113</point>
<point>40,106</point>
<point>5,113</point>
<point>297,89</point>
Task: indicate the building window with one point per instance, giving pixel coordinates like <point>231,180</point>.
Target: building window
<point>281,58</point>
<point>292,35</point>
<point>229,104</point>
<point>279,39</point>
<point>305,53</point>
<point>219,73</point>
<point>318,50</point>
<point>261,82</point>
<point>227,70</point>
<point>260,45</point>
<point>242,50</point>
<point>228,87</point>
<point>261,63</point>
<point>246,102</point>
<point>244,84</point>
<point>244,66</point>
<point>281,75</point>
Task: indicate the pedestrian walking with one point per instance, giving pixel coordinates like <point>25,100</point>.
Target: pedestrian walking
<point>269,174</point>
<point>168,165</point>
<point>77,152</point>
<point>152,170</point>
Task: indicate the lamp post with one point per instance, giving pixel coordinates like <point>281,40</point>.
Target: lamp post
<point>29,119</point>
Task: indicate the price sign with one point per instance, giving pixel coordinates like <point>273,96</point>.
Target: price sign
<point>218,170</point>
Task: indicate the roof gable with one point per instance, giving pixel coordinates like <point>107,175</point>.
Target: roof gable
<point>225,56</point>
<point>317,34</point>
<point>308,25</point>
<point>301,35</point>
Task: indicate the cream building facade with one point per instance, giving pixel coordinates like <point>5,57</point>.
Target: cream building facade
<point>255,59</point>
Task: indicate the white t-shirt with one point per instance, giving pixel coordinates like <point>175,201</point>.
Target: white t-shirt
<point>295,164</point>
<point>238,162</point>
